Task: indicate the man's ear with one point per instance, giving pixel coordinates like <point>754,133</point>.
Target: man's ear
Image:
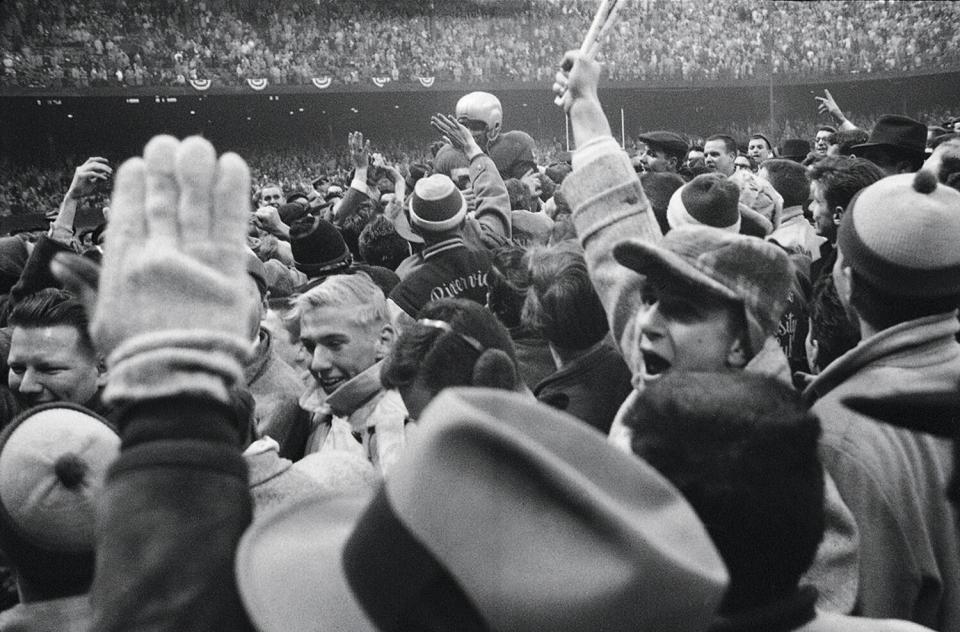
<point>737,356</point>
<point>837,215</point>
<point>385,339</point>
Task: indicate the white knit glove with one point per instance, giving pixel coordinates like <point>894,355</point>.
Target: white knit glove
<point>170,313</point>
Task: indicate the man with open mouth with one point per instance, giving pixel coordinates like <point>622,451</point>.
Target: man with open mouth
<point>699,298</point>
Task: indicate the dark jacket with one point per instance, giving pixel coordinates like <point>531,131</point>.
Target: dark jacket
<point>591,388</point>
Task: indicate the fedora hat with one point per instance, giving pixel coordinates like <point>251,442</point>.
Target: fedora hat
<point>900,132</point>
<point>795,149</point>
<point>504,515</point>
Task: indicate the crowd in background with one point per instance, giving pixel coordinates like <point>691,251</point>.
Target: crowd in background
<point>26,188</point>
<point>701,379</point>
<point>166,43</point>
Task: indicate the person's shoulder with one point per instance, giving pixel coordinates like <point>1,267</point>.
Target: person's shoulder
<point>833,622</point>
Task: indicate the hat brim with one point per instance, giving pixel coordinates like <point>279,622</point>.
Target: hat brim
<point>304,540</point>
<point>656,262</point>
<point>917,151</point>
<point>401,224</point>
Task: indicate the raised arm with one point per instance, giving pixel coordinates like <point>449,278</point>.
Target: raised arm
<point>492,199</point>
<point>176,501</point>
<point>608,202</point>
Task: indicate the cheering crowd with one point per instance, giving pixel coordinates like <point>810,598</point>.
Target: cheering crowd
<point>710,384</point>
<point>163,43</point>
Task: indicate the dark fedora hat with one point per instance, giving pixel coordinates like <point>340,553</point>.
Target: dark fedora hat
<point>897,131</point>
<point>795,149</point>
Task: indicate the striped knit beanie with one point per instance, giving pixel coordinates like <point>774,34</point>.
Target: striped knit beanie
<point>901,235</point>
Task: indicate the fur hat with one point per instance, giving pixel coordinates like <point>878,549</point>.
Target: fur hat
<point>708,200</point>
<point>901,234</point>
<point>437,205</point>
<point>53,463</point>
<point>318,247</point>
<point>748,270</point>
<point>508,516</point>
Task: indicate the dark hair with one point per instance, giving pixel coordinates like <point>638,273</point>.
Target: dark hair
<point>352,225</point>
<point>558,171</point>
<point>847,139</point>
<point>659,188</point>
<point>882,310</point>
<point>563,207</point>
<point>562,230</point>
<point>840,178</point>
<point>832,139</point>
<point>743,452</point>
<point>562,305</point>
<point>764,139</point>
<point>507,282</point>
<point>381,245</point>
<point>790,180</point>
<point>830,326</point>
<point>51,307</point>
<point>518,193</point>
<point>442,358</point>
<point>728,141</point>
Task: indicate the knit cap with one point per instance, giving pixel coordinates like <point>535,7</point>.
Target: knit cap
<point>709,200</point>
<point>901,234</point>
<point>53,463</point>
<point>318,247</point>
<point>436,204</point>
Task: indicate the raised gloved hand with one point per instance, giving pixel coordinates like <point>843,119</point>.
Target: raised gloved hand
<point>169,312</point>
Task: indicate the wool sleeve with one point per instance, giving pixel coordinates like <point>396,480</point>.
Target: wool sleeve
<point>609,206</point>
<point>493,202</point>
<point>174,507</point>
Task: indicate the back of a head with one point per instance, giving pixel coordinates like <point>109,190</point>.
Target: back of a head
<point>790,180</point>
<point>381,245</point>
<point>659,188</point>
<point>743,452</point>
<point>562,304</point>
<point>455,342</point>
<point>53,463</point>
<point>899,238</point>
